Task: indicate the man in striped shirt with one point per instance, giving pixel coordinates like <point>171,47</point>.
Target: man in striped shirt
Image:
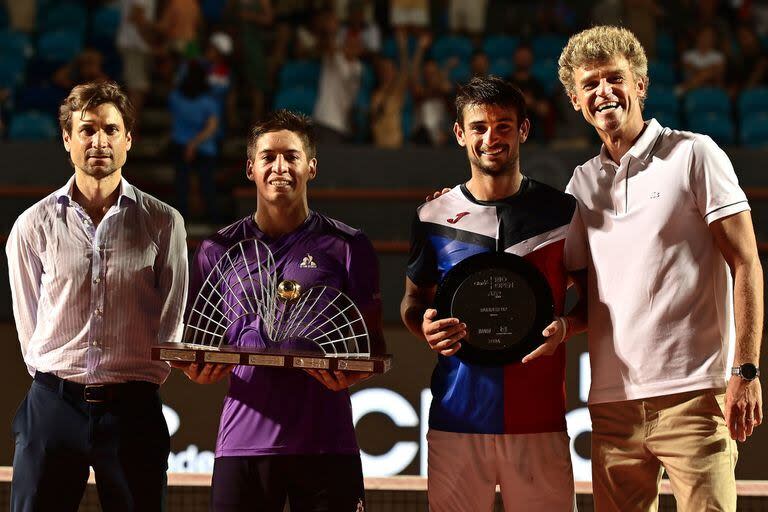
<point>98,273</point>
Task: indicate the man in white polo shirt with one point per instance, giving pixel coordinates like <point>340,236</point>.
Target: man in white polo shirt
<point>664,239</point>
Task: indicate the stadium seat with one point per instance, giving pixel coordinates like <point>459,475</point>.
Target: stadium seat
<point>460,73</point>
<point>545,71</point>
<point>661,73</point>
<point>665,118</point>
<point>753,101</point>
<point>389,47</point>
<point>754,130</point>
<point>501,67</point>
<point>368,78</point>
<point>59,47</point>
<point>500,46</point>
<point>446,47</point>
<point>43,98</point>
<point>32,126</point>
<point>300,99</point>
<point>707,100</point>
<point>64,16</point>
<point>662,99</point>
<point>104,25</point>
<point>548,46</point>
<point>299,73</point>
<point>717,125</point>
<point>14,43</point>
<point>665,47</point>
<point>11,71</point>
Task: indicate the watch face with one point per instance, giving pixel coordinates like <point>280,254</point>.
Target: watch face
<point>748,371</point>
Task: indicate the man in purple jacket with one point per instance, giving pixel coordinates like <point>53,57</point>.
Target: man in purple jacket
<point>285,433</point>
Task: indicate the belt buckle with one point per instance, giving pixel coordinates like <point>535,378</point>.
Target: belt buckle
<point>92,395</point>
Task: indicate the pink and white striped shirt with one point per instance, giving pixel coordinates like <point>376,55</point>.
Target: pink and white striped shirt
<point>88,300</point>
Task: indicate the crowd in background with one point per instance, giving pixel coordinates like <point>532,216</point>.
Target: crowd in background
<point>372,70</point>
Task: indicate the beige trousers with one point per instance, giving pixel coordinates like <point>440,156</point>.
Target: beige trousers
<point>684,434</point>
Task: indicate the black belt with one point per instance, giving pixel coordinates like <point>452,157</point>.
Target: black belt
<point>97,393</point>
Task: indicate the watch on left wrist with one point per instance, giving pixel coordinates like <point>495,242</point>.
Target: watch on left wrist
<point>746,371</point>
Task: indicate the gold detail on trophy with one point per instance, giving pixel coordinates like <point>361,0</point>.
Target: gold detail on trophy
<point>289,290</point>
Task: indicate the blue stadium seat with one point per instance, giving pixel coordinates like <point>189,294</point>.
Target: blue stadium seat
<point>11,71</point>
<point>61,46</point>
<point>661,73</point>
<point>299,99</point>
<point>32,126</point>
<point>389,47</point>
<point>407,124</point>
<point>707,100</point>
<point>460,73</point>
<point>665,47</point>
<point>64,16</point>
<point>501,67</point>
<point>105,22</point>
<point>14,43</point>
<point>665,118</point>
<point>446,47</point>
<point>754,130</point>
<point>500,46</point>
<point>753,101</point>
<point>43,98</point>
<point>662,99</point>
<point>545,71</point>
<point>299,73</point>
<point>717,125</point>
<point>548,46</point>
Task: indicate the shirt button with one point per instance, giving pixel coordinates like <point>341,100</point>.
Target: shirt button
<point>97,312</point>
<point>97,280</point>
<point>95,343</point>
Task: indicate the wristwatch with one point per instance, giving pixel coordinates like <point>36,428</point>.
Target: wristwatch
<point>746,371</point>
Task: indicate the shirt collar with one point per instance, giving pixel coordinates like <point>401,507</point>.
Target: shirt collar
<point>127,192</point>
<point>641,149</point>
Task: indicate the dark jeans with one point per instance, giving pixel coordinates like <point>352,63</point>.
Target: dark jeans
<point>311,483</point>
<point>205,166</point>
<point>59,435</point>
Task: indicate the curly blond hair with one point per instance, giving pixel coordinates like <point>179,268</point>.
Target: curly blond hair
<point>600,44</point>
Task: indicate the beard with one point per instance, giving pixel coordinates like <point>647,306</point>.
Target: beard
<point>102,170</point>
<point>500,168</point>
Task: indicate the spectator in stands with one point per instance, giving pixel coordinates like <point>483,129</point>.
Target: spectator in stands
<point>136,37</point>
<point>432,93</point>
<point>540,107</point>
<point>322,32</point>
<point>195,116</point>
<point>22,15</point>
<point>704,64</point>
<point>359,27</point>
<point>641,18</point>
<point>749,66</point>
<point>179,24</point>
<point>338,89</point>
<point>254,18</point>
<point>410,15</point>
<point>289,14</point>
<point>217,63</point>
<point>468,17</point>
<point>86,67</point>
<point>388,97</point>
<point>479,65</point>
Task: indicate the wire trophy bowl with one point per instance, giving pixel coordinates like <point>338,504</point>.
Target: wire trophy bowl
<point>505,302</point>
<point>244,315</point>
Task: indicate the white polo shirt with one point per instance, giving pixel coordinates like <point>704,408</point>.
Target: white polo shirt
<point>660,292</point>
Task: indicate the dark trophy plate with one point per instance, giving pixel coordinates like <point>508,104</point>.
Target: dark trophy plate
<point>505,301</point>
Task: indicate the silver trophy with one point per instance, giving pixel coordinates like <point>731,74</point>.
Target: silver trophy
<point>243,314</point>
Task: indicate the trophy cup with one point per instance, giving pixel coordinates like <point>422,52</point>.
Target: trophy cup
<point>505,302</point>
<point>243,314</point>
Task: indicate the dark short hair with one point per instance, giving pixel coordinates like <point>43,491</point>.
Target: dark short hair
<point>90,95</point>
<point>279,120</point>
<point>490,90</point>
